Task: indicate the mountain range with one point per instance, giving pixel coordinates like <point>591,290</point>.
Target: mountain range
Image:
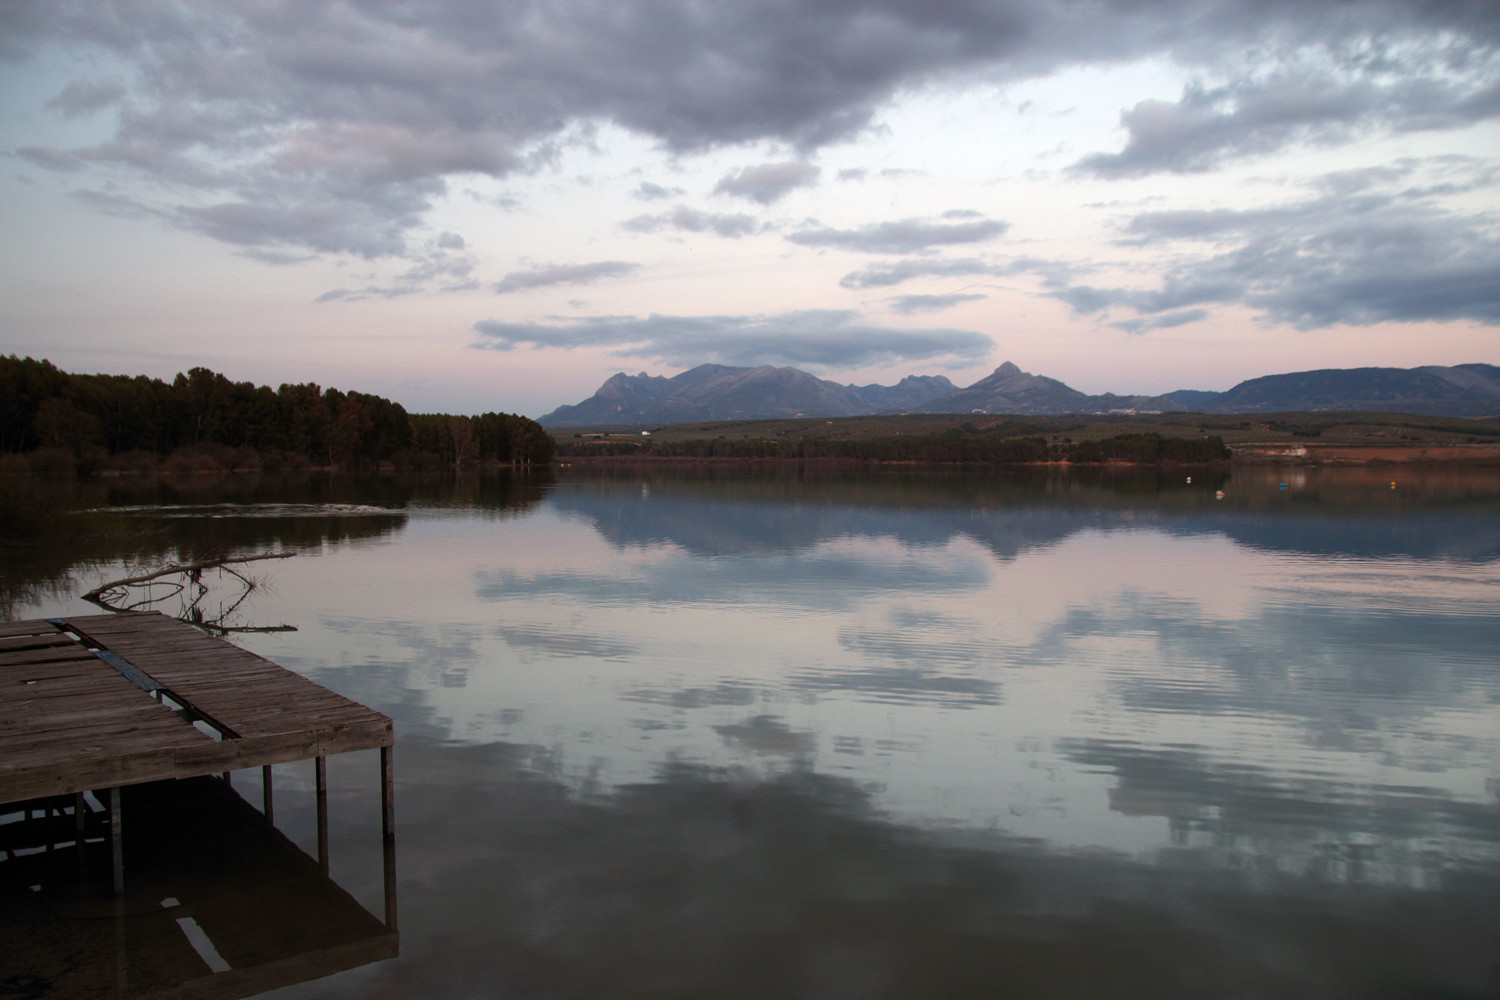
<point>720,392</point>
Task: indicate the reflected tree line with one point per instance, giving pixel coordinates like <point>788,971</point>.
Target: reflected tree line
<point>54,527</point>
<point>54,421</point>
<point>965,445</point>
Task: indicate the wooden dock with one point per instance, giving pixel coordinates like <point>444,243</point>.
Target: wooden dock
<point>97,702</point>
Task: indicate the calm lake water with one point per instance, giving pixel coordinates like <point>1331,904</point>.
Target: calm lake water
<point>803,733</point>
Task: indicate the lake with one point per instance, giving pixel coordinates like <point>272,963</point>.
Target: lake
<point>809,732</point>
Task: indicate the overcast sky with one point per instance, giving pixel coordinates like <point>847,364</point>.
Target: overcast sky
<point>473,206</point>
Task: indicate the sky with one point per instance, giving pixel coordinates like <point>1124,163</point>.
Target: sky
<point>472,206</point>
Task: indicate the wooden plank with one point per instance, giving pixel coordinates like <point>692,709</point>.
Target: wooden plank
<point>98,678</point>
<point>9,661</point>
<point>31,627</point>
<point>14,644</point>
<point>87,773</point>
<point>57,671</point>
<point>115,726</point>
<point>99,723</point>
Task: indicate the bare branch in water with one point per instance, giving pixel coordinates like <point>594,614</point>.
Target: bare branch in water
<point>112,596</point>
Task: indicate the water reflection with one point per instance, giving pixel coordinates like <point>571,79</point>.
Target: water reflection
<point>1441,515</point>
<point>706,881</point>
<point>818,733</point>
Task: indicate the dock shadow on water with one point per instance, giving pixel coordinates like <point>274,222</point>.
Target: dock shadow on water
<point>822,732</point>
<point>218,903</point>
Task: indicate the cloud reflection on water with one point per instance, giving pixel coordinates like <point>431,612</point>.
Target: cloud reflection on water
<point>704,882</point>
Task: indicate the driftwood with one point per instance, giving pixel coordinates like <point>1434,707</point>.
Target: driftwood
<point>112,595</point>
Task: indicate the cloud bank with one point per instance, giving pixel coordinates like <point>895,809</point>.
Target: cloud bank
<point>563,274</point>
<point>906,235</point>
<point>1369,248</point>
<point>769,182</point>
<point>691,220</point>
<point>335,127</point>
<point>814,338</point>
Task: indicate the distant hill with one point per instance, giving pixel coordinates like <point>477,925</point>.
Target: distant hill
<point>720,392</point>
<point>1459,391</point>
<point>1010,390</point>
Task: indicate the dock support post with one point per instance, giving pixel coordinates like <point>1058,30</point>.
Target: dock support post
<point>320,774</point>
<point>388,831</point>
<point>80,840</point>
<point>117,845</point>
<point>265,794</point>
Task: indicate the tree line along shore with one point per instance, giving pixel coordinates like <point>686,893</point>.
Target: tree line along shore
<point>54,421</point>
<point>1148,448</point>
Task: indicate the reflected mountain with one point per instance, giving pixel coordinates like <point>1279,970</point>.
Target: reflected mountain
<point>1436,515</point>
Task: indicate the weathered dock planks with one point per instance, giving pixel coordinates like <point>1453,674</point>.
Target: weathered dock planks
<point>72,722</point>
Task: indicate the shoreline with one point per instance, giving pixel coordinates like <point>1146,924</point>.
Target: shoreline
<point>1265,454</point>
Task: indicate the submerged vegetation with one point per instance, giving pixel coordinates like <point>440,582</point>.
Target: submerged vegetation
<point>54,421</point>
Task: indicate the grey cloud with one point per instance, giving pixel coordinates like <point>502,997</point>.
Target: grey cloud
<point>889,173</point>
<point>334,127</point>
<point>563,274</point>
<point>887,275</point>
<point>691,220</point>
<point>1207,126</point>
<point>909,304</point>
<point>117,205</point>
<point>1164,322</point>
<point>365,228</point>
<point>768,182</point>
<point>831,338</point>
<point>1370,257</point>
<point>61,161</point>
<point>906,235</point>
<point>84,97</point>
<point>501,201</point>
<point>441,266</point>
<point>646,191</point>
